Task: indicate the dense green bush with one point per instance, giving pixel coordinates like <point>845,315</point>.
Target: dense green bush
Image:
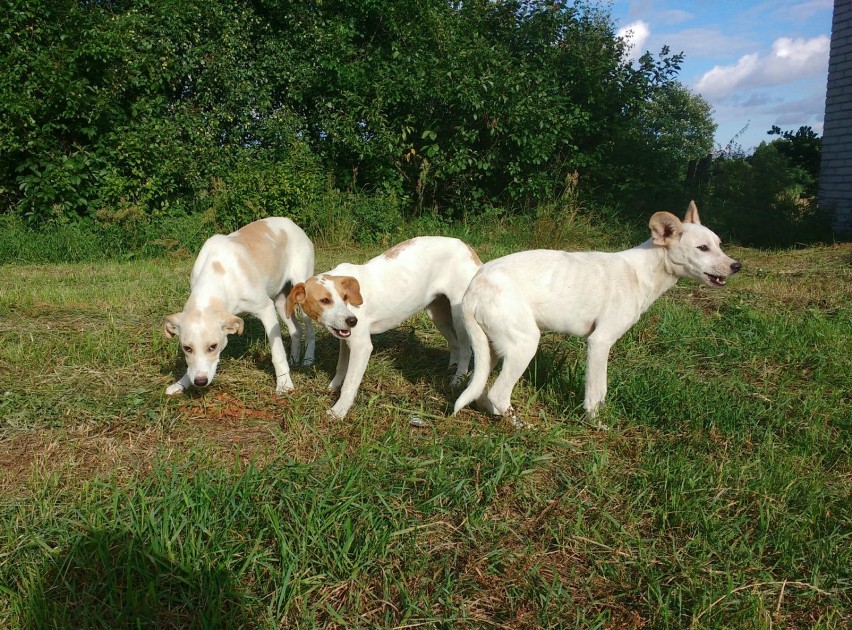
<point>444,107</point>
<point>769,198</point>
<point>352,116</point>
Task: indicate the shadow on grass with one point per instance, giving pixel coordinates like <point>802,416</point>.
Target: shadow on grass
<point>113,579</point>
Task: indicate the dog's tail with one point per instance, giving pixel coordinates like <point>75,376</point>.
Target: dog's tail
<point>481,355</point>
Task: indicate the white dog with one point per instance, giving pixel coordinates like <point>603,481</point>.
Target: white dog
<point>246,271</point>
<point>356,301</point>
<point>590,294</point>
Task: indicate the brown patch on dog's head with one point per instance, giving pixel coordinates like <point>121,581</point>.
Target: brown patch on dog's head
<point>397,249</point>
<point>294,297</point>
<point>665,227</point>
<point>315,294</point>
<point>349,289</point>
<point>312,295</point>
<point>171,325</point>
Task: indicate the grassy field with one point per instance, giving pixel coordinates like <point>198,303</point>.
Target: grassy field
<point>719,497</point>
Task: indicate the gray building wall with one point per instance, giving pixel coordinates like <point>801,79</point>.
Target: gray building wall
<point>835,181</point>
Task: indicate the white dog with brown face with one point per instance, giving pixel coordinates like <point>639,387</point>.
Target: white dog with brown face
<point>589,294</point>
<point>354,302</point>
<point>246,271</point>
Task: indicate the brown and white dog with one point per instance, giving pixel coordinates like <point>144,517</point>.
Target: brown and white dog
<point>590,294</point>
<point>246,271</point>
<point>354,302</point>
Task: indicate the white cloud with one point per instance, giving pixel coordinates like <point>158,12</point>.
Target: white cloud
<point>636,34</point>
<point>789,60</point>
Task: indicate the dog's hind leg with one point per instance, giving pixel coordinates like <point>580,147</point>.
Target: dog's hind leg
<point>441,314</point>
<point>310,341</point>
<point>516,357</point>
<point>292,323</point>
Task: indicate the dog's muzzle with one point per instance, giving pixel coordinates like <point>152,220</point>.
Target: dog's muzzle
<point>719,281</point>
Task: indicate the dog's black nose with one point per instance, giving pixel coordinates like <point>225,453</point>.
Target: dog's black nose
<point>735,267</point>
<point>201,381</point>
<point>351,321</point>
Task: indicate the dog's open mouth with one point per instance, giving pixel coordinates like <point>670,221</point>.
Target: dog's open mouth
<point>716,281</point>
<point>340,334</point>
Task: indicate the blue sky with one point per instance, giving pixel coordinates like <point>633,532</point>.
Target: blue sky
<point>757,63</point>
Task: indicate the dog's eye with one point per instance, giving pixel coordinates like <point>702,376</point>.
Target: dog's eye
<point>187,349</point>
<point>212,347</point>
<point>325,301</point>
<point>346,297</point>
<point>704,248</point>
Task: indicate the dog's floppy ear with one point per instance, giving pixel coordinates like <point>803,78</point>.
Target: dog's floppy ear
<point>691,215</point>
<point>353,289</point>
<point>233,325</point>
<point>297,295</point>
<point>171,326</point>
<point>666,228</point>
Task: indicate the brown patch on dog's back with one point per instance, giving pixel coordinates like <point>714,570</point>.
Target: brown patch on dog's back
<point>397,249</point>
<point>474,256</point>
<point>218,268</point>
<point>263,244</point>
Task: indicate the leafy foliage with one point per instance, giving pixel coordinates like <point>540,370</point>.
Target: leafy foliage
<point>124,108</point>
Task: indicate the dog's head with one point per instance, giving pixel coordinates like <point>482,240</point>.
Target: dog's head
<point>203,335</point>
<point>327,299</point>
<point>693,250</point>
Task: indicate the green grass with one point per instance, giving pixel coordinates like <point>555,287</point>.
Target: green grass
<point>719,496</point>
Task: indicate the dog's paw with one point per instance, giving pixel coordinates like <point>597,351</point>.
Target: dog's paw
<point>309,361</point>
<point>484,404</point>
<point>284,385</point>
<point>174,388</point>
<point>457,381</point>
<point>337,414</point>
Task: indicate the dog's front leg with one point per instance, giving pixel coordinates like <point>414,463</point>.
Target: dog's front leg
<point>310,342</point>
<point>294,328</point>
<point>179,386</point>
<point>359,356</point>
<point>597,357</point>
<point>283,382</point>
<point>342,366</point>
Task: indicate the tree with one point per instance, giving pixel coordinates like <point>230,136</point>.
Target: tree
<point>804,150</point>
<point>154,106</point>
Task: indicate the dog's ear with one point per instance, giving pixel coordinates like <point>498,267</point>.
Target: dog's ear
<point>233,325</point>
<point>666,228</point>
<point>297,295</point>
<point>691,215</point>
<point>353,290</point>
<point>171,326</point>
